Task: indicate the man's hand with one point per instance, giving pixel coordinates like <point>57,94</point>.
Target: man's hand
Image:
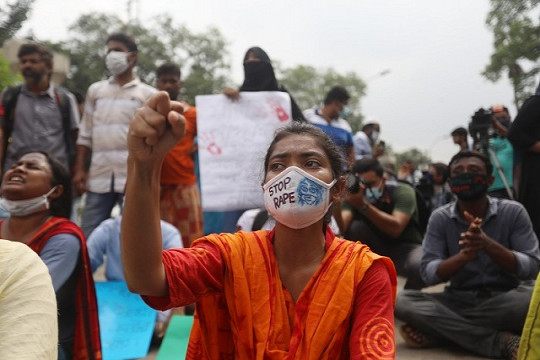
<point>357,200</point>
<point>231,93</point>
<point>80,180</point>
<point>156,128</point>
<point>474,239</point>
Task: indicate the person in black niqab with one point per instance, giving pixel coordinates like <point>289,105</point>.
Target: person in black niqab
<point>259,76</point>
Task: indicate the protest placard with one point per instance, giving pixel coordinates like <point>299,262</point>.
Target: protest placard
<point>233,137</point>
<point>126,323</point>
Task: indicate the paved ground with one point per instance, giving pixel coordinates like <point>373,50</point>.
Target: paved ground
<point>402,351</point>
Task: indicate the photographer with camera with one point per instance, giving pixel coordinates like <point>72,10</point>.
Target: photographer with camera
<point>488,129</point>
<point>383,214</point>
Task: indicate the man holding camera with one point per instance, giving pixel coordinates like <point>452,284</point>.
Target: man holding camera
<point>503,174</point>
<point>488,130</point>
<point>383,214</point>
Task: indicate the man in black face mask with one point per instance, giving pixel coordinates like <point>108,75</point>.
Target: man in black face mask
<point>487,251</point>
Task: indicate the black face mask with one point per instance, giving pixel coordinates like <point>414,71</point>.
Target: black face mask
<point>469,186</point>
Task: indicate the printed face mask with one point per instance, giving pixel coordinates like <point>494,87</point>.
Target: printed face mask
<point>116,62</point>
<point>469,186</point>
<point>297,199</point>
<point>26,206</point>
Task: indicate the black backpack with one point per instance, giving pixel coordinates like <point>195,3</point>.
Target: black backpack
<point>423,205</point>
<point>9,102</point>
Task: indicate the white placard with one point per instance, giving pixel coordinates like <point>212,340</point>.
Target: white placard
<point>233,137</point>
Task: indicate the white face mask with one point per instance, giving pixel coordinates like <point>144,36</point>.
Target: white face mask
<point>297,199</point>
<point>117,62</point>
<point>27,206</point>
<point>374,135</point>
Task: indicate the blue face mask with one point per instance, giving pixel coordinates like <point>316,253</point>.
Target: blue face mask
<point>373,194</point>
<point>345,112</point>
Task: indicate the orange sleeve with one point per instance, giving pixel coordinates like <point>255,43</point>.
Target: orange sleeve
<point>372,332</point>
<point>179,164</point>
<point>191,273</point>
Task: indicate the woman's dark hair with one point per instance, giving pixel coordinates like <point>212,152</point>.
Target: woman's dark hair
<point>60,206</point>
<point>323,140</point>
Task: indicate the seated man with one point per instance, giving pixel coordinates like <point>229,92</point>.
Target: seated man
<point>487,250</point>
<point>383,214</point>
<point>105,240</point>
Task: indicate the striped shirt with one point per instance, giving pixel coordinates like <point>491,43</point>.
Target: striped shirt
<point>108,111</point>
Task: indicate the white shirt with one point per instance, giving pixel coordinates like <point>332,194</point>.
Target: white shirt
<point>108,111</point>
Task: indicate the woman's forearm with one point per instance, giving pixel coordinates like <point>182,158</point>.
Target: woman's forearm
<point>141,231</point>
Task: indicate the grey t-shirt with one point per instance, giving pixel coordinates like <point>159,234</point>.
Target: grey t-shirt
<point>38,125</point>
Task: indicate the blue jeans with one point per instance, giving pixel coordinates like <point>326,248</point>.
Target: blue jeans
<point>98,208</point>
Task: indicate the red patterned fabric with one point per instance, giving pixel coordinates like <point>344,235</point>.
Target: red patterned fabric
<point>87,344</point>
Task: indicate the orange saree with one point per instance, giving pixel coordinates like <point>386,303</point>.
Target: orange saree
<point>248,314</point>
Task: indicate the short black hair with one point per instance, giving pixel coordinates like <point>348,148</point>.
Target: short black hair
<point>368,164</point>
<point>168,68</point>
<point>44,54</point>
<point>441,169</point>
<point>470,153</point>
<point>338,93</point>
<point>460,131</point>
<point>125,39</point>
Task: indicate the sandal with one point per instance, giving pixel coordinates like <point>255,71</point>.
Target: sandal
<point>416,339</point>
<point>511,346</point>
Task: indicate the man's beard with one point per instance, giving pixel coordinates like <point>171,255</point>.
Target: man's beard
<point>33,76</point>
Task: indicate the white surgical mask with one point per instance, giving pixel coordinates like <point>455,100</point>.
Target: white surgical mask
<point>117,62</point>
<point>297,199</point>
<point>26,206</point>
<point>374,135</point>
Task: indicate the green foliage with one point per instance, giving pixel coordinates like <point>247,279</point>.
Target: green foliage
<point>12,18</point>
<point>516,31</point>
<point>419,158</point>
<point>201,56</point>
<point>7,77</point>
<point>309,85</point>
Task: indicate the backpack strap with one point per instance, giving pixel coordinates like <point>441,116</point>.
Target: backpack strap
<point>9,102</point>
<point>64,104</point>
<point>417,198</point>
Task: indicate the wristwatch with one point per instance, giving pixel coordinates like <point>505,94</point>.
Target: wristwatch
<point>363,208</point>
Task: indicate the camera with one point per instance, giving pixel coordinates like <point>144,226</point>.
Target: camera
<point>352,182</point>
<point>481,128</point>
